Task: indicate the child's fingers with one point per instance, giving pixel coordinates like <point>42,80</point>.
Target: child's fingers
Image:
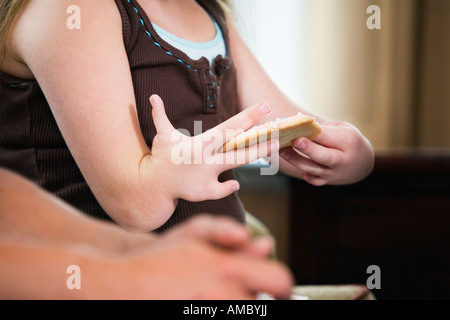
<point>263,149</point>
<point>332,136</point>
<point>241,122</point>
<point>314,180</point>
<point>240,157</point>
<point>304,164</point>
<point>221,190</point>
<point>326,156</point>
<point>162,123</point>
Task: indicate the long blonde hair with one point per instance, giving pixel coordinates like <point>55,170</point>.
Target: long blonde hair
<point>226,6</point>
<point>9,9</point>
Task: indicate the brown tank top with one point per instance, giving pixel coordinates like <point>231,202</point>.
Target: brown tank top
<point>32,145</point>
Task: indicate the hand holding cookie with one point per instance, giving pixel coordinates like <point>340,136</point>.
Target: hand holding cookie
<point>339,155</point>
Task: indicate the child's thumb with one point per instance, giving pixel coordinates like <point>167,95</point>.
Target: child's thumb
<point>221,190</point>
<point>162,123</point>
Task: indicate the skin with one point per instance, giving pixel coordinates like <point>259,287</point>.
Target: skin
<point>205,258</point>
<point>340,155</point>
<point>130,181</point>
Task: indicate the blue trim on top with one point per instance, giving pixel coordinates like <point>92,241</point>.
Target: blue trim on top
<point>156,43</point>
<point>18,85</point>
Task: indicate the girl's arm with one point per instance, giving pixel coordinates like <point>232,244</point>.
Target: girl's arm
<point>85,76</point>
<point>340,155</point>
<point>254,84</point>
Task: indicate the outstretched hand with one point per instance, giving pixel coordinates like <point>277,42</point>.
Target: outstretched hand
<point>189,167</point>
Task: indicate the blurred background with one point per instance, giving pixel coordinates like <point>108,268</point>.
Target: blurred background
<point>393,83</point>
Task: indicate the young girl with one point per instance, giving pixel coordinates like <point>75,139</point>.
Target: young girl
<point>76,117</point>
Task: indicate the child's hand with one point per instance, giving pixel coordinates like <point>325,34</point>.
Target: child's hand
<point>339,155</point>
<point>188,167</point>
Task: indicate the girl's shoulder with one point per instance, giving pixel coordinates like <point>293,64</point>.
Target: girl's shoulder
<point>69,13</point>
<point>58,25</point>
<point>64,16</point>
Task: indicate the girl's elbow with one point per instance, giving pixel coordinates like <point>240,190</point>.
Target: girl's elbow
<point>141,219</point>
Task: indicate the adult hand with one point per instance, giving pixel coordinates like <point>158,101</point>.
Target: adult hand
<point>222,232</point>
<point>182,265</point>
<point>339,155</point>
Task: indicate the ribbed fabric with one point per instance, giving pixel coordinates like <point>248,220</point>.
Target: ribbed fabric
<point>32,145</point>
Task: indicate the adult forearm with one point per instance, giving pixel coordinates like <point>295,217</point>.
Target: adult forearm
<point>25,209</point>
<point>38,271</point>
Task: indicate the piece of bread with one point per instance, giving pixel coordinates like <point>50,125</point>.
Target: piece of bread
<point>285,130</point>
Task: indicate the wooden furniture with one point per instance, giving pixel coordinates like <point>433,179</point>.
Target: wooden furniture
<point>398,219</point>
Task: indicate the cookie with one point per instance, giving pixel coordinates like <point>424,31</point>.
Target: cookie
<point>286,130</point>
